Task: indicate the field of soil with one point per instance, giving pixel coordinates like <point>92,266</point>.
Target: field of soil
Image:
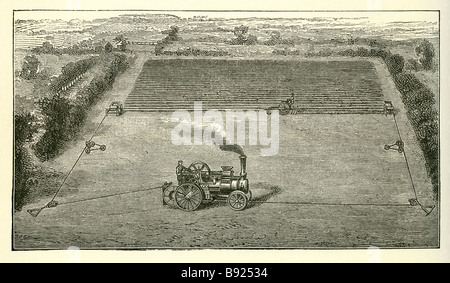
<point>332,185</point>
<point>336,86</point>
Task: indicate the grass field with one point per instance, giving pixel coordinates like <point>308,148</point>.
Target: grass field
<point>332,185</point>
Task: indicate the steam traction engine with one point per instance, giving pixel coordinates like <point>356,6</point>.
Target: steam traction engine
<point>198,184</point>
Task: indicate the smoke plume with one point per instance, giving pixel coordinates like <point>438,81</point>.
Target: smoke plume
<point>233,148</point>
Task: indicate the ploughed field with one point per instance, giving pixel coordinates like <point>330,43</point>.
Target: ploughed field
<point>342,86</point>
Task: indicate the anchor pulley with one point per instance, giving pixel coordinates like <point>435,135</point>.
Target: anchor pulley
<point>35,211</point>
<point>388,108</point>
<point>91,145</point>
<point>398,146</point>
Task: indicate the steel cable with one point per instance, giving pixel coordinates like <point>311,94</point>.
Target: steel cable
<point>409,170</point>
<point>70,171</point>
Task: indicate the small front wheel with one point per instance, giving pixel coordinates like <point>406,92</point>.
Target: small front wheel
<point>237,200</point>
<point>168,195</point>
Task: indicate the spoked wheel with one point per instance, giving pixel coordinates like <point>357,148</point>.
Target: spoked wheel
<point>200,167</point>
<point>90,143</point>
<point>168,195</point>
<point>188,196</point>
<point>103,147</point>
<point>237,200</point>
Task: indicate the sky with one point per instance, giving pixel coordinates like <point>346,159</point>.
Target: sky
<point>375,17</point>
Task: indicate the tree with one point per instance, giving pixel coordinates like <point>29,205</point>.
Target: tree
<point>173,33</point>
<point>172,36</point>
<point>395,64</point>
<point>275,38</point>
<point>426,53</point>
<point>241,31</point>
<point>47,48</point>
<point>242,36</point>
<point>121,41</point>
<point>30,67</point>
<point>108,47</point>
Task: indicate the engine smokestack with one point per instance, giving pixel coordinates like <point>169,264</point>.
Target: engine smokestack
<point>243,159</point>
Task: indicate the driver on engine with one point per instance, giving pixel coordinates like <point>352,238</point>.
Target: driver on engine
<point>290,101</point>
<point>179,171</point>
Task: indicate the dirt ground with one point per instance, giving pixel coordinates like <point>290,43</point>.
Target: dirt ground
<point>332,185</point>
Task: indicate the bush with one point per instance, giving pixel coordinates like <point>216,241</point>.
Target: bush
<point>76,49</point>
<point>55,110</point>
<point>362,52</point>
<point>108,47</point>
<point>419,103</point>
<point>395,64</point>
<point>30,67</point>
<point>24,128</point>
<point>426,52</point>
<point>380,53</point>
<point>196,52</point>
<point>376,43</point>
<point>276,39</point>
<point>412,65</point>
<point>242,36</point>
<point>286,52</point>
<point>347,53</point>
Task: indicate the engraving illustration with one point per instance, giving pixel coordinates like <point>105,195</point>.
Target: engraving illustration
<point>203,129</point>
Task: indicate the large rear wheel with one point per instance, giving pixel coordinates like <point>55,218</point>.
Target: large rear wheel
<point>188,196</point>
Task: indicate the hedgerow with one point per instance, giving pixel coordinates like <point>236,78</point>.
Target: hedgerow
<point>24,128</point>
<point>63,117</point>
<point>71,72</point>
<point>419,103</point>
